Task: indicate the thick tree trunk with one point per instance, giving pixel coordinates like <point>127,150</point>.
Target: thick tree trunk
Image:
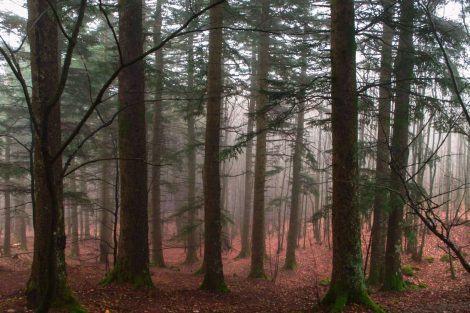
<point>132,264</point>
<point>381,197</point>
<point>47,285</point>
<point>213,268</point>
<point>157,145</point>
<point>258,226</point>
<point>393,279</point>
<point>347,280</point>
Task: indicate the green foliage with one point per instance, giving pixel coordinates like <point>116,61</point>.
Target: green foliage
<point>407,270</point>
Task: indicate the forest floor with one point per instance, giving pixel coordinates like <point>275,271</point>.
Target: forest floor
<point>176,287</point>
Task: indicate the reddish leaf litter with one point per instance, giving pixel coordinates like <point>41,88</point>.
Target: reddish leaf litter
<point>176,287</point>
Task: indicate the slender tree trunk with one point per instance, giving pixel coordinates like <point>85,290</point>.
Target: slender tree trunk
<point>347,280</point>
<point>132,264</point>
<point>213,268</point>
<point>7,202</point>
<point>293,233</point>
<point>381,197</point>
<point>106,224</point>
<point>258,227</point>
<point>248,203</point>
<point>399,149</point>
<point>157,145</point>
<point>75,251</point>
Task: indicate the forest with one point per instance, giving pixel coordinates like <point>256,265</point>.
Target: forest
<point>234,156</point>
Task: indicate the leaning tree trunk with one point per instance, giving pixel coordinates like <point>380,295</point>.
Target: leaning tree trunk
<point>47,285</point>
<point>382,173</point>
<point>393,279</point>
<point>258,225</point>
<point>347,280</point>
<point>132,264</point>
<point>157,145</point>
<point>213,268</point>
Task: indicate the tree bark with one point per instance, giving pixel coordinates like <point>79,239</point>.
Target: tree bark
<point>157,145</point>
<point>381,197</point>
<point>132,264</point>
<point>347,280</point>
<point>47,285</point>
<point>258,226</point>
<point>393,279</point>
<point>7,202</point>
<point>213,268</point>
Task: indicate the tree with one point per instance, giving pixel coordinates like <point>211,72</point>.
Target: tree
<point>47,285</point>
<point>258,228</point>
<point>7,202</point>
<point>382,172</point>
<point>393,279</point>
<point>248,203</point>
<point>213,268</point>
<point>293,233</point>
<point>157,144</point>
<point>347,280</point>
<point>132,264</point>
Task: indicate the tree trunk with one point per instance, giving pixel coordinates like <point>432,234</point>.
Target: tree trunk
<point>7,202</point>
<point>381,197</point>
<point>132,264</point>
<point>47,285</point>
<point>393,279</point>
<point>293,233</point>
<point>248,201</point>
<point>213,268</point>
<point>106,224</point>
<point>157,145</point>
<point>75,251</point>
<point>258,226</point>
<point>347,280</point>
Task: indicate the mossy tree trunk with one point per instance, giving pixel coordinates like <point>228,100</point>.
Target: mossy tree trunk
<point>213,268</point>
<point>382,172</point>
<point>132,263</point>
<point>157,144</point>
<point>393,279</point>
<point>258,226</point>
<point>347,280</point>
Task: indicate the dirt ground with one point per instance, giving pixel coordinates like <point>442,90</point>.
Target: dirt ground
<point>176,287</point>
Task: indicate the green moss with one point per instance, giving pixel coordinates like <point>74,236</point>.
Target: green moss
<point>407,270</point>
<point>445,258</point>
<point>429,259</point>
<point>220,287</point>
<point>394,283</point>
<point>289,266</point>
<point>338,298</point>
<point>325,281</point>
<point>120,274</point>
<point>257,273</point>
